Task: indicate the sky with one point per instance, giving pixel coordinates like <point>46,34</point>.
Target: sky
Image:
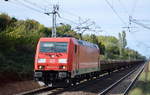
<point>111,15</point>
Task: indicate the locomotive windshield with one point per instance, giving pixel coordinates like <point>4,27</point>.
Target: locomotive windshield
<point>59,47</point>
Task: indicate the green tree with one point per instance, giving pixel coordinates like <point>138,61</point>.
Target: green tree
<point>65,30</point>
<point>111,50</point>
<point>94,39</point>
<point>122,43</point>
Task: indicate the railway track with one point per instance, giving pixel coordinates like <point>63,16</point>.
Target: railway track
<point>43,91</point>
<point>51,91</point>
<point>96,85</point>
<point>54,91</point>
<point>123,85</point>
<point>34,91</point>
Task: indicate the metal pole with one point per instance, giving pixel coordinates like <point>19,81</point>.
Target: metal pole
<point>54,21</point>
<point>54,15</point>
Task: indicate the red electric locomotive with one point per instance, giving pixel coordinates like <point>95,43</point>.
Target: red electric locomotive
<point>65,60</point>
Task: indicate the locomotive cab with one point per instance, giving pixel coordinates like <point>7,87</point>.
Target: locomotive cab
<point>51,60</point>
<point>52,56</point>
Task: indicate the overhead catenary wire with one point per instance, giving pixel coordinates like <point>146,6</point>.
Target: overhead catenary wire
<point>29,7</point>
<point>129,14</point>
<point>33,4</point>
<point>133,9</point>
<point>84,21</point>
<point>14,4</point>
<point>40,11</point>
<point>11,4</point>
<point>35,7</point>
<point>69,16</point>
<point>115,12</point>
<point>77,24</point>
<point>70,13</point>
<point>138,23</point>
<point>73,16</point>
<point>69,20</point>
<point>76,17</point>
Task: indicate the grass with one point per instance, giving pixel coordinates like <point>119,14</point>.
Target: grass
<point>142,86</point>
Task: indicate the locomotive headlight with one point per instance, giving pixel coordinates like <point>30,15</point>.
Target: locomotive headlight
<point>41,67</point>
<point>41,60</point>
<point>62,60</point>
<point>64,67</point>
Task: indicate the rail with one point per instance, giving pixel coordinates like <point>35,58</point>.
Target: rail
<point>117,82</point>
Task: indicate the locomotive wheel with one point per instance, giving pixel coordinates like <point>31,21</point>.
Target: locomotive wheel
<point>73,82</point>
<point>68,82</point>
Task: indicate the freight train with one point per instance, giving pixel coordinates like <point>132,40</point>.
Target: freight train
<point>65,61</point>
